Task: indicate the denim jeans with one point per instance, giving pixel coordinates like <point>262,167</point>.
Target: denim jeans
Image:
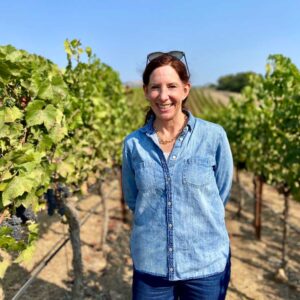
<point>149,287</point>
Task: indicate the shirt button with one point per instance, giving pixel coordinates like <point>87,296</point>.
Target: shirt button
<point>174,156</point>
<point>180,139</point>
<point>171,269</point>
<point>170,249</point>
<point>170,225</point>
<point>169,203</point>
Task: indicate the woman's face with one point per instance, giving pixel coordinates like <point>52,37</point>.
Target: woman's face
<point>166,92</point>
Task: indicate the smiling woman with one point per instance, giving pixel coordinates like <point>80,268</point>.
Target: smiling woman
<point>176,176</point>
<point>166,87</point>
<point>166,92</point>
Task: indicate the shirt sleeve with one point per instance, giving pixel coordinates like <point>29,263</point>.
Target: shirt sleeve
<point>224,167</point>
<point>128,180</point>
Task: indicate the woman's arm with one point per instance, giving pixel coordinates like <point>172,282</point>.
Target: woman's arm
<point>128,180</point>
<point>224,167</point>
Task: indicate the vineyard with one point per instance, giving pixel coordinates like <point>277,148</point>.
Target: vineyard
<point>61,133</point>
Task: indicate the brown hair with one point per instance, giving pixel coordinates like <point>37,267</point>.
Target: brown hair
<point>165,60</point>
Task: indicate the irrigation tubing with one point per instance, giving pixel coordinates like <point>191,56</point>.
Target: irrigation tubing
<point>48,258</point>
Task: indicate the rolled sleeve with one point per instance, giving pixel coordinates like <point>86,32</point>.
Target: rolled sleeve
<point>224,167</point>
<point>128,179</point>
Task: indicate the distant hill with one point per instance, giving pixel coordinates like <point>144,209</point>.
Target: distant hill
<point>133,84</point>
<point>204,99</point>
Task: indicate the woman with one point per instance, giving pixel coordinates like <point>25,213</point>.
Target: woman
<point>176,176</point>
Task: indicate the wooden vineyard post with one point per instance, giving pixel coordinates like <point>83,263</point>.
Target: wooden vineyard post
<point>74,231</point>
<point>281,273</point>
<point>284,260</point>
<point>240,194</point>
<point>105,216</point>
<point>258,187</point>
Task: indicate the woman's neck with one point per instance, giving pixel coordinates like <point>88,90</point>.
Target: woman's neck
<point>170,127</point>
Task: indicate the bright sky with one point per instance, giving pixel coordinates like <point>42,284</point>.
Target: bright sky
<point>218,37</point>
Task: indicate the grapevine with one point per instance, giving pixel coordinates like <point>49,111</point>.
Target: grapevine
<point>57,128</point>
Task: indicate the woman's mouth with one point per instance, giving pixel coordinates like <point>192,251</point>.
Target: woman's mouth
<point>164,106</point>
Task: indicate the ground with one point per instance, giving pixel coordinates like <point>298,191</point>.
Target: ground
<point>108,276</point>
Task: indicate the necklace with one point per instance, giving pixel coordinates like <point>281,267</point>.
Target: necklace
<point>163,142</point>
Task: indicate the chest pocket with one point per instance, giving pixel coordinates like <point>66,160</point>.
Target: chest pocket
<point>198,172</point>
<point>149,176</point>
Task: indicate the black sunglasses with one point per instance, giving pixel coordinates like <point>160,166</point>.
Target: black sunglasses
<point>177,54</point>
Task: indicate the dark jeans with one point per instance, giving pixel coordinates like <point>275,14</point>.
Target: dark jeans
<point>149,287</point>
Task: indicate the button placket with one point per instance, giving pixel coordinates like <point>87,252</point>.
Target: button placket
<point>167,166</point>
<point>170,258</point>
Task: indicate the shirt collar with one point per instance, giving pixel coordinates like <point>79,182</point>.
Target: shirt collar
<point>149,129</point>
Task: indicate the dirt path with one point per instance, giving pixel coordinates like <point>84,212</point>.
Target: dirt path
<point>253,262</point>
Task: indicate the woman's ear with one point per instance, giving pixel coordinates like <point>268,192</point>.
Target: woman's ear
<point>187,88</point>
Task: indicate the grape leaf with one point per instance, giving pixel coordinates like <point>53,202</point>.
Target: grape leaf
<point>49,115</point>
<point>16,187</point>
<point>11,114</point>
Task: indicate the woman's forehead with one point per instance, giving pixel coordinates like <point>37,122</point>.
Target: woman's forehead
<point>164,73</point>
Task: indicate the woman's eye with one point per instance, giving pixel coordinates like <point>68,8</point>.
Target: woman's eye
<point>154,87</point>
<point>173,86</point>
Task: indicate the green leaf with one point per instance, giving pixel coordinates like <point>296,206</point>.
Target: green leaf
<point>4,71</point>
<point>33,228</point>
<point>26,254</point>
<point>33,232</point>
<point>28,200</point>
<point>33,108</point>
<point>54,88</point>
<point>88,51</point>
<point>57,133</point>
<point>4,230</point>
<point>15,56</point>
<point>11,114</point>
<point>5,176</point>
<point>65,169</point>
<point>48,116</point>
<point>11,131</point>
<point>1,118</point>
<point>75,43</point>
<point>67,47</point>
<point>3,185</point>
<point>17,187</point>
<point>9,243</point>
<point>45,143</point>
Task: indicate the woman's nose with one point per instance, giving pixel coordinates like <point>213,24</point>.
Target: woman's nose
<point>164,95</point>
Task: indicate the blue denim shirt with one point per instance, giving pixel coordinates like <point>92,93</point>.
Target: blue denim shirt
<point>178,204</point>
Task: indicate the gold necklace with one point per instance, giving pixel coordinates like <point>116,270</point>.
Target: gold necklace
<point>163,142</point>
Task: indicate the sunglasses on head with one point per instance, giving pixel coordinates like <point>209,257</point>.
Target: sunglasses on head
<point>177,54</point>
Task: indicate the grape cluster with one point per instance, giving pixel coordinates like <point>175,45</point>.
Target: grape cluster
<point>63,190</point>
<point>25,214</point>
<point>55,199</point>
<point>24,102</point>
<point>15,225</point>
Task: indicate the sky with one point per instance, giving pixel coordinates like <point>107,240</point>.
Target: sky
<point>218,37</point>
